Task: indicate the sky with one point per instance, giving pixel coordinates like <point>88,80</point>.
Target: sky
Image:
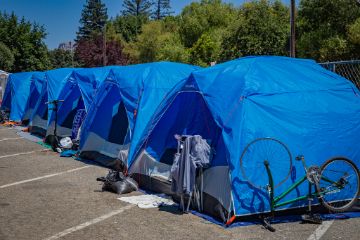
<point>61,17</point>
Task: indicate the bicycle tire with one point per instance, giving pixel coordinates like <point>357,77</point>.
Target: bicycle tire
<point>339,199</point>
<point>252,160</point>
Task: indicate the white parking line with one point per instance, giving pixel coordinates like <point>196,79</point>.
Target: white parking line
<point>91,222</point>
<point>46,176</point>
<point>24,153</point>
<point>321,230</point>
<point>5,128</point>
<point>5,139</point>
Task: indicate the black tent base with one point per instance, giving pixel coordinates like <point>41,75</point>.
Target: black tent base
<point>38,131</point>
<point>211,206</point>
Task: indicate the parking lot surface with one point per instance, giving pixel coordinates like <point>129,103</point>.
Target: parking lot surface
<point>44,196</point>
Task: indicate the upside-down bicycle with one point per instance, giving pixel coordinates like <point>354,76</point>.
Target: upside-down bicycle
<point>335,183</point>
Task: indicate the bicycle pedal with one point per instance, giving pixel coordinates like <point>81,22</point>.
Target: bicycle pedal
<point>311,218</point>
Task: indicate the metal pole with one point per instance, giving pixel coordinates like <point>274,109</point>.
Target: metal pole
<point>292,29</point>
<point>104,45</point>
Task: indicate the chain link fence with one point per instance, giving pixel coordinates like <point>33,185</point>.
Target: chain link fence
<point>347,69</point>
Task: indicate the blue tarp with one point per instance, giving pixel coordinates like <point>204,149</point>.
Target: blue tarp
<point>312,110</point>
<point>89,79</point>
<point>56,80</point>
<point>37,81</point>
<point>138,89</point>
<point>77,92</point>
<point>16,94</point>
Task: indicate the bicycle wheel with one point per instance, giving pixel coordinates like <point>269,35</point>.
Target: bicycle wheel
<point>275,153</point>
<point>338,185</point>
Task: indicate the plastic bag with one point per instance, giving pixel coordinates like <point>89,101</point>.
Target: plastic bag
<point>116,182</point>
<point>66,143</point>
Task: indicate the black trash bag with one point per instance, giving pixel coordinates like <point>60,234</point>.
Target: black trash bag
<point>4,116</point>
<point>117,182</point>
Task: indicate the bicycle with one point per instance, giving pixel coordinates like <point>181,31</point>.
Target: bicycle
<point>336,181</point>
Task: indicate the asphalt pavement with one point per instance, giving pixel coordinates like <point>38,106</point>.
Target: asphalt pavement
<point>44,196</point>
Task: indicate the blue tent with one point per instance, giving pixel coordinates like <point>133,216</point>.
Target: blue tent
<point>37,80</point>
<point>51,87</point>
<point>39,116</point>
<point>77,93</point>
<point>108,128</point>
<point>16,94</point>
<point>313,111</point>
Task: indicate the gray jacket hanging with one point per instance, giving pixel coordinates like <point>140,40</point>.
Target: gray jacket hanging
<point>195,153</point>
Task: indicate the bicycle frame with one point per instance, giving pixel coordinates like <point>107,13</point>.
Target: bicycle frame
<point>275,201</point>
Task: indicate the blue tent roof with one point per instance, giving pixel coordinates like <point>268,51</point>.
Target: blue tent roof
<point>312,110</point>
<point>16,94</point>
<point>38,79</point>
<point>56,80</point>
<point>140,88</point>
<point>89,79</point>
<point>145,86</point>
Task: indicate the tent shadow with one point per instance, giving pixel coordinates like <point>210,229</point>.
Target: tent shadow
<point>171,209</point>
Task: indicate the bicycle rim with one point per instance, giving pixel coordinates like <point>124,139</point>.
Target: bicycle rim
<point>275,153</point>
<point>338,186</point>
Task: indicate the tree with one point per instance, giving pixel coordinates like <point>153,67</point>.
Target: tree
<point>89,52</point>
<point>25,41</point>
<point>205,50</point>
<point>205,16</point>
<point>261,29</point>
<point>60,58</point>
<point>93,19</point>
<point>162,9</point>
<point>6,58</point>
<point>324,29</point>
<point>137,7</point>
<point>159,41</point>
<point>129,26</point>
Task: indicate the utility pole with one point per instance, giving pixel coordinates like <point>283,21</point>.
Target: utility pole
<point>292,29</point>
<point>104,45</point>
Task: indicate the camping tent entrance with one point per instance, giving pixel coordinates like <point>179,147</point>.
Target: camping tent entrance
<point>105,132</point>
<point>39,118</point>
<point>31,104</point>
<point>187,114</point>
<point>67,110</point>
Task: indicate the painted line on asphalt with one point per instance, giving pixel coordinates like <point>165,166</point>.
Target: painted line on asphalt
<point>42,177</point>
<point>5,128</point>
<point>91,222</point>
<point>24,153</point>
<point>321,230</point>
<point>6,139</point>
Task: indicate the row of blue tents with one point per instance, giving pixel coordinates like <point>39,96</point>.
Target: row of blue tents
<point>133,113</point>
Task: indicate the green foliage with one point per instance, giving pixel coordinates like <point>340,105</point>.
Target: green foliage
<point>324,29</point>
<point>203,17</point>
<point>158,41</point>
<point>206,49</point>
<point>129,26</point>
<point>93,19</point>
<point>261,29</point>
<point>6,58</point>
<point>25,41</point>
<point>354,32</point>
<point>60,58</point>
<point>137,7</point>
